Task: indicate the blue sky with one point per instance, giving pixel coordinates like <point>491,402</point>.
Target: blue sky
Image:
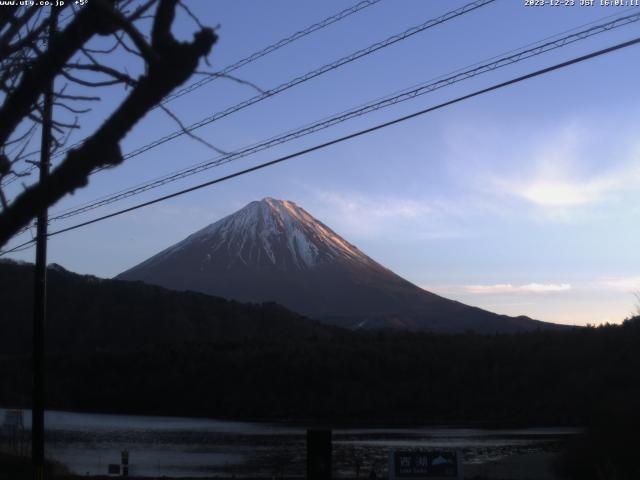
<point>522,201</point>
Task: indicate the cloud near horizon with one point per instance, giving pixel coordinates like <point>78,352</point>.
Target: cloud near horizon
<point>625,284</point>
<point>630,284</point>
<point>505,288</point>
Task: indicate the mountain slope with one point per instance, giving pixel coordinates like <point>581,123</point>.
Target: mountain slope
<point>87,313</point>
<point>273,250</point>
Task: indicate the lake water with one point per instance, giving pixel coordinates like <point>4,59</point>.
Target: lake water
<point>190,447</point>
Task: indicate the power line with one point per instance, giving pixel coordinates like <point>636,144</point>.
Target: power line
<point>209,162</point>
<point>256,55</point>
<point>272,48</point>
<point>312,74</point>
<point>359,133</point>
<point>303,78</point>
<point>405,95</point>
<point>236,65</point>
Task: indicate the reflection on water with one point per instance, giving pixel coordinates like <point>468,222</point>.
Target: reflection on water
<point>174,446</point>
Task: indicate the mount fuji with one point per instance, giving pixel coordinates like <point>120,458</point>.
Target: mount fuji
<point>273,250</point>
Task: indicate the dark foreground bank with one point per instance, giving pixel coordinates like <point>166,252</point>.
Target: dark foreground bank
<point>538,378</point>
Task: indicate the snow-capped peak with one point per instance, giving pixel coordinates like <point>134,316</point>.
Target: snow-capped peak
<point>270,231</point>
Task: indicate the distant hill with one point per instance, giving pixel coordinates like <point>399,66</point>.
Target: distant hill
<point>87,313</point>
<point>273,250</point>
<point>127,347</point>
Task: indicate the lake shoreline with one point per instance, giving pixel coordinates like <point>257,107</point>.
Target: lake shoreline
<point>515,467</point>
<point>188,447</point>
<point>334,423</point>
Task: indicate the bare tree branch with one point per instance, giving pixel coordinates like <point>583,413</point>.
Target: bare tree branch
<point>191,134</point>
<point>169,63</point>
<point>112,72</point>
<point>190,13</point>
<point>45,68</point>
<point>234,79</point>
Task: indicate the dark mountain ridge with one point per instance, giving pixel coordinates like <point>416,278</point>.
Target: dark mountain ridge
<point>86,313</point>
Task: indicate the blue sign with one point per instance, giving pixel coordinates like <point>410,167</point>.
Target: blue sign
<point>425,464</point>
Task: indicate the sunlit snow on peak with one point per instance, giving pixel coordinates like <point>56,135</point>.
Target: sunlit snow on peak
<point>276,232</point>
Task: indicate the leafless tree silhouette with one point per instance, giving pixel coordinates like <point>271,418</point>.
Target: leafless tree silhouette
<point>80,56</point>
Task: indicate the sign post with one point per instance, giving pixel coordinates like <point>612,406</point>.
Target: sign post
<point>124,461</point>
<point>319,454</point>
<point>425,464</point>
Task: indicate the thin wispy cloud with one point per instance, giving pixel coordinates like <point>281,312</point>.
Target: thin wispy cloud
<point>562,193</point>
<point>625,284</point>
<point>377,216</point>
<point>570,172</point>
<point>610,284</point>
<point>378,207</point>
<point>504,288</point>
<point>509,288</point>
<point>579,164</point>
<point>566,190</point>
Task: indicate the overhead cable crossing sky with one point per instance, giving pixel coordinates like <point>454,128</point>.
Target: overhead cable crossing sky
<point>301,153</point>
<point>449,79</point>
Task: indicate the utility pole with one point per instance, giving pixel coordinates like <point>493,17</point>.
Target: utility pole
<point>40,284</point>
